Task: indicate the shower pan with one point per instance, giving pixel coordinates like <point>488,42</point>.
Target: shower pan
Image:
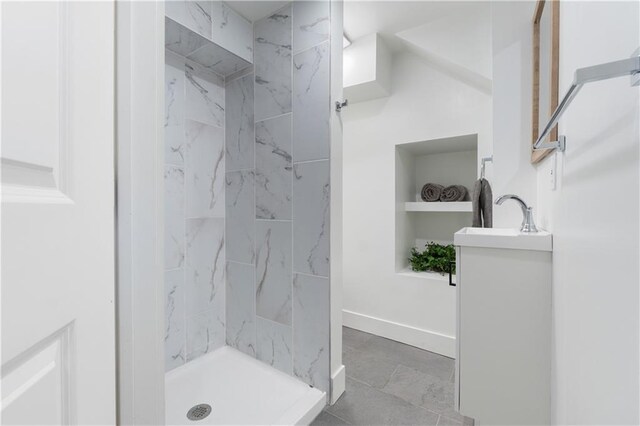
<point>247,186</point>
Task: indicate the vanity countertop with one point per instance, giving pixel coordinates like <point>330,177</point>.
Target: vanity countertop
<point>503,238</point>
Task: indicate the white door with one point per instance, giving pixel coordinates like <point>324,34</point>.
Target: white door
<point>58,321</point>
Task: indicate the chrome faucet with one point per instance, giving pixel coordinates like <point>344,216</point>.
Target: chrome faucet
<point>528,225</point>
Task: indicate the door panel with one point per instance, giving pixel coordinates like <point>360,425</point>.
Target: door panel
<point>34,76</point>
<point>58,321</point>
<point>41,374</point>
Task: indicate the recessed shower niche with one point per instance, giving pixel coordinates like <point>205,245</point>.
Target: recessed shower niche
<point>446,161</point>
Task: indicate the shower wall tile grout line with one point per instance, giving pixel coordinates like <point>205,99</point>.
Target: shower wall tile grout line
<point>274,117</point>
<point>311,161</point>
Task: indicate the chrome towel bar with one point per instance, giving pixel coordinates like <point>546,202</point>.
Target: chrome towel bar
<point>581,77</point>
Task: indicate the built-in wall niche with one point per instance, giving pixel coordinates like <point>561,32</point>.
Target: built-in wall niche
<point>445,161</point>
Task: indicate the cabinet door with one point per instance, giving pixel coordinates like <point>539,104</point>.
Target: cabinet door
<point>504,335</point>
<point>459,283</point>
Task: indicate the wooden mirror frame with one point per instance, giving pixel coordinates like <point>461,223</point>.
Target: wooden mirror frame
<point>537,156</point>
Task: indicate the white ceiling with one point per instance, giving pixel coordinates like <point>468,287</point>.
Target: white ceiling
<point>362,18</point>
<point>390,17</point>
<point>450,33</point>
<point>453,36</point>
<point>256,9</point>
<point>437,146</point>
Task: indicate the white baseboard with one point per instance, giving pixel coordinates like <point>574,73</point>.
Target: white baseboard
<point>338,384</point>
<point>420,338</point>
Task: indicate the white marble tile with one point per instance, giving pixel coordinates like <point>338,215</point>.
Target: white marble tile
<point>272,62</point>
<point>195,15</point>
<point>174,319</point>
<point>201,71</point>
<point>173,95</point>
<point>274,345</point>
<point>240,307</point>
<point>311,24</point>
<point>218,60</point>
<point>273,271</point>
<point>204,97</point>
<point>311,218</point>
<point>273,168</point>
<point>232,31</point>
<point>174,145</point>
<point>311,104</point>
<point>205,267</point>
<point>204,170</point>
<point>240,216</point>
<point>181,40</point>
<point>205,333</point>
<point>248,70</point>
<point>311,330</point>
<point>174,232</point>
<point>239,125</point>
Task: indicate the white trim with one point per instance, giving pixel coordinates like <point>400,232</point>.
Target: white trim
<point>338,384</point>
<point>420,338</point>
<point>140,211</point>
<point>335,210</point>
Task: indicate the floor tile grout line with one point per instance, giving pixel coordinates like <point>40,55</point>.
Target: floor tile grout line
<point>440,417</point>
<point>338,417</point>
<point>390,394</point>
<point>359,381</point>
<point>395,396</point>
<point>409,402</point>
<point>391,376</point>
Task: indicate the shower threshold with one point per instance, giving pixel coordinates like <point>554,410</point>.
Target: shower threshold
<point>240,390</point>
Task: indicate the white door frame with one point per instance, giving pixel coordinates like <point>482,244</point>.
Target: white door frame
<point>140,211</point>
<point>338,372</point>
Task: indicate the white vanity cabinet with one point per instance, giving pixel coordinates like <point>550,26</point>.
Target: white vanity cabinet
<point>503,359</point>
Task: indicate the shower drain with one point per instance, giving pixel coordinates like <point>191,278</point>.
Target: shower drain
<point>199,412</point>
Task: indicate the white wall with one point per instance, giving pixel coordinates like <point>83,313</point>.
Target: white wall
<point>596,240</point>
<point>512,75</point>
<point>425,103</point>
<point>367,63</point>
<point>360,61</point>
<point>463,39</point>
<point>593,213</point>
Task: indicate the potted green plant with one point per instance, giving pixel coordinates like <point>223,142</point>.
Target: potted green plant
<point>435,257</point>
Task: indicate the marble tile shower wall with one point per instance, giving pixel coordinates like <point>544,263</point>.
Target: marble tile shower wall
<point>195,252</point>
<point>277,195</point>
<point>213,20</point>
<point>194,211</point>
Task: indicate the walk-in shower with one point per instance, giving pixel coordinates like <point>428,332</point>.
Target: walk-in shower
<point>247,208</point>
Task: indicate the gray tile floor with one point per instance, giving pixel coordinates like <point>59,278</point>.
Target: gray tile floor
<point>390,383</point>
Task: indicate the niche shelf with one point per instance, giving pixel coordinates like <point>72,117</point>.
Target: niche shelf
<point>445,161</point>
<point>184,41</point>
<point>421,206</point>
<point>407,272</point>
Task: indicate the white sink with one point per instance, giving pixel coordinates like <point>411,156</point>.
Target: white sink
<point>506,238</point>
